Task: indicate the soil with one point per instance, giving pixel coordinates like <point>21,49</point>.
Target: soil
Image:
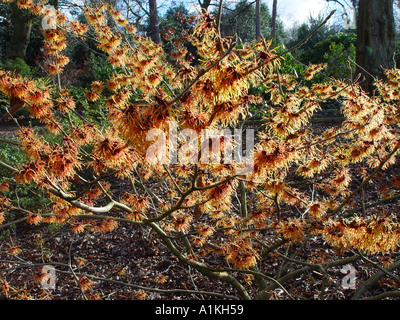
<point>8,131</point>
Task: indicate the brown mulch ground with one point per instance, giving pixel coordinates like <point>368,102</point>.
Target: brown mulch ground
<point>7,131</point>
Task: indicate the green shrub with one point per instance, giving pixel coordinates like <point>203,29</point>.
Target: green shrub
<point>26,195</point>
<point>341,56</point>
<point>18,65</point>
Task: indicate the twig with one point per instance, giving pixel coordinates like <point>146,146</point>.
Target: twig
<point>373,280</point>
<point>122,283</point>
<point>203,71</point>
<point>12,142</point>
<point>305,269</point>
<point>334,137</point>
<point>72,270</point>
<point>379,267</point>
<point>219,16</point>
<point>367,180</point>
<point>388,294</point>
<point>298,45</point>
<point>374,204</point>
<point>173,180</point>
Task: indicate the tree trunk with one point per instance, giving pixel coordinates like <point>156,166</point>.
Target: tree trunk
<point>273,18</point>
<point>21,21</point>
<point>375,40</point>
<point>154,26</point>
<point>258,22</point>
<point>204,5</point>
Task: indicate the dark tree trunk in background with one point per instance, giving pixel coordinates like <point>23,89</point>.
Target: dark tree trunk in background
<point>53,3</point>
<point>21,21</point>
<point>273,18</point>
<point>375,40</point>
<point>154,26</point>
<point>258,22</point>
<point>204,5</point>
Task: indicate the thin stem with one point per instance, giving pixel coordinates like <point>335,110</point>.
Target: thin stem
<point>203,71</point>
<point>367,180</point>
<point>298,45</point>
<point>12,142</point>
<point>121,283</point>
<point>219,17</point>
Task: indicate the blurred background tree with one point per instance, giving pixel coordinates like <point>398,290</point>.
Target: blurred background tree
<point>240,19</point>
<point>376,37</point>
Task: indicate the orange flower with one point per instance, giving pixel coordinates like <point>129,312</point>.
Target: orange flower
<point>182,221</point>
<point>140,203</point>
<point>272,155</point>
<point>41,110</point>
<point>135,216</point>
<point>78,227</point>
<point>241,254</point>
<point>97,86</point>
<point>4,287</point>
<point>63,210</point>
<point>19,90</point>
<point>342,177</point>
<point>119,99</point>
<point>205,231</point>
<point>83,134</point>
<point>25,4</point>
<point>227,112</point>
<point>61,60</point>
<point>34,219</point>
<point>140,295</point>
<point>78,28</point>
<point>316,210</point>
<point>206,88</point>
<point>96,191</point>
<point>38,96</point>
<point>154,79</point>
<point>30,172</point>
<point>91,96</point>
<point>132,123</point>
<point>118,58</point>
<point>64,160</point>
<point>85,283</point>
<point>130,28</point>
<point>194,120</point>
<point>2,217</point>
<point>4,186</point>
<point>220,195</point>
<point>333,233</point>
<point>114,153</point>
<point>109,225</point>
<point>313,69</point>
<point>53,68</point>
<point>292,229</point>
<point>14,250</point>
<point>161,278</point>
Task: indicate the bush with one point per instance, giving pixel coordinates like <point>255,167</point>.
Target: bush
<point>18,65</point>
<point>283,215</point>
<point>340,56</point>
